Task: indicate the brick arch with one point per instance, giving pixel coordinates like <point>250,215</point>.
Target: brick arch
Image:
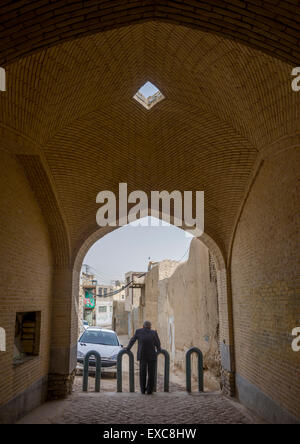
<point>219,84</point>
<point>91,238</point>
<point>226,345</point>
<point>28,154</point>
<point>43,189</point>
<point>74,101</point>
<point>28,26</point>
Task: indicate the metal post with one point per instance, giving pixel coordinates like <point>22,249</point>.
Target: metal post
<point>86,371</point>
<point>166,370</point>
<point>189,369</point>
<point>119,370</point>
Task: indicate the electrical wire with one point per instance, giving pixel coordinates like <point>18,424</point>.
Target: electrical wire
<point>103,273</point>
<point>188,248</point>
<point>112,293</point>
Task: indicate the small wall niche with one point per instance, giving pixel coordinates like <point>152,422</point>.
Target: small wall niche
<point>27,336</point>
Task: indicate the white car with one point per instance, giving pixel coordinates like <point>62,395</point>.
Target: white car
<point>85,324</point>
<point>105,342</point>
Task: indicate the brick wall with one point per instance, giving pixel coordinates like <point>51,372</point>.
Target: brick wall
<point>26,273</point>
<point>265,282</point>
<point>272,27</point>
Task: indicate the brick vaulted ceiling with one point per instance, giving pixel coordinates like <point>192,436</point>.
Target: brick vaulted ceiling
<point>224,102</point>
<point>269,25</point>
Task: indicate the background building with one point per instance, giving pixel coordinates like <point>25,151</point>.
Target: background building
<point>106,296</point>
<point>181,301</point>
<point>104,305</point>
<point>87,300</point>
<point>134,281</point>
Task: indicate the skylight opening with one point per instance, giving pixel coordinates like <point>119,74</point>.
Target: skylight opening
<point>148,95</point>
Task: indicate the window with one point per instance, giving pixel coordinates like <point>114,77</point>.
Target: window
<point>100,291</point>
<point>102,309</point>
<point>99,337</point>
<point>27,336</point>
<point>148,95</point>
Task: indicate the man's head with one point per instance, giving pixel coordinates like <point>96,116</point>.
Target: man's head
<point>147,324</point>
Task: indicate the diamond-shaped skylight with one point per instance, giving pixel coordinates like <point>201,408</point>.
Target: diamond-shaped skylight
<point>148,95</point>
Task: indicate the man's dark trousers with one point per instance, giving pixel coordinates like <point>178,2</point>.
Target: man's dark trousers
<point>148,346</point>
<point>147,368</point>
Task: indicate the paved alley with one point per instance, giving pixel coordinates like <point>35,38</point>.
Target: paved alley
<point>127,408</point>
<point>109,407</point>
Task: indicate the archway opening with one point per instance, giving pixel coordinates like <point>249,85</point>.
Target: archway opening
<point>152,270</point>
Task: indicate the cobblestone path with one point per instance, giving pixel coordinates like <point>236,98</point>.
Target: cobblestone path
<point>134,408</point>
<point>109,407</point>
<point>161,408</point>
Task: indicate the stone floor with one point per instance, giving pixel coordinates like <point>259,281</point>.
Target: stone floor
<point>109,407</point>
<point>134,408</point>
<point>176,407</point>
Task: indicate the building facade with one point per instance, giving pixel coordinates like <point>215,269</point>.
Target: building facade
<point>181,301</point>
<point>87,301</point>
<point>106,296</point>
<point>134,281</point>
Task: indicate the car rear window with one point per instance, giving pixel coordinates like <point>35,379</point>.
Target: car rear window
<point>99,337</point>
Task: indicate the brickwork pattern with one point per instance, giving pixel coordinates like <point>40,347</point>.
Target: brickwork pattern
<point>27,26</point>
<point>60,386</point>
<point>265,282</point>
<point>208,82</point>
<point>26,275</point>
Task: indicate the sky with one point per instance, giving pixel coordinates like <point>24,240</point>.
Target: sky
<point>148,89</point>
<point>128,248</point>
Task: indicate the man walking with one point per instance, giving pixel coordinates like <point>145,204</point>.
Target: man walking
<point>148,345</point>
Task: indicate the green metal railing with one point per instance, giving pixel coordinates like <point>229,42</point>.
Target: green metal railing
<point>119,370</point>
<point>85,379</point>
<point>166,371</point>
<point>131,370</point>
<point>189,369</point>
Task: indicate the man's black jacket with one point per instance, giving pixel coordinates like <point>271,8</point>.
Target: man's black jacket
<point>148,344</point>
